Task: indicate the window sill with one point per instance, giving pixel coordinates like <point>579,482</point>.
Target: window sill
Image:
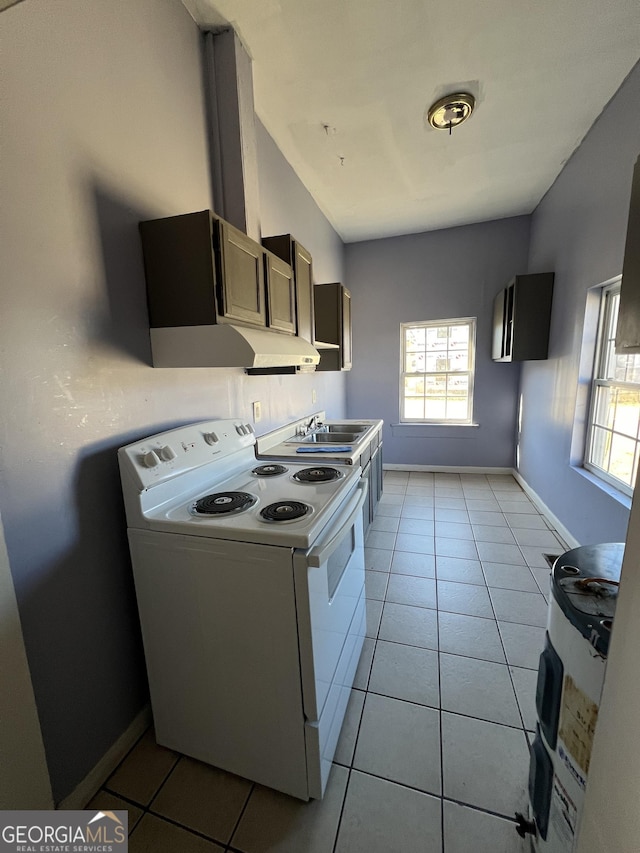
<point>605,487</point>
<point>433,430</point>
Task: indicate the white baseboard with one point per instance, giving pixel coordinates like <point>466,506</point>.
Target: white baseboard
<point>555,522</point>
<point>447,469</point>
<point>94,780</point>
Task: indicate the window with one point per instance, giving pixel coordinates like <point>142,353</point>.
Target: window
<point>436,385</point>
<point>613,440</point>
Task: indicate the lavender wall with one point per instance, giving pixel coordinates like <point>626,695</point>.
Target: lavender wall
<point>440,274</point>
<point>579,231</point>
<point>103,125</point>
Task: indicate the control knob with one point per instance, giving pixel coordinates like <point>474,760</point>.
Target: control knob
<point>167,453</point>
<point>150,459</point>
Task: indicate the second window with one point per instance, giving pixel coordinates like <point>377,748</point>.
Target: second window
<point>436,384</point>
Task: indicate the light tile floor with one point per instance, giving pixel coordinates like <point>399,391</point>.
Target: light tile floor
<point>433,756</point>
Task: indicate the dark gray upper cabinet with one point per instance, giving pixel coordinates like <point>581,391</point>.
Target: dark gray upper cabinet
<point>628,329</point>
<point>521,318</point>
<point>200,270</point>
<point>333,326</point>
<point>293,253</point>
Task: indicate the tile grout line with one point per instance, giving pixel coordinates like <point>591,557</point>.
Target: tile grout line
<point>129,801</point>
<point>240,816</point>
<point>504,651</point>
<point>442,839</point>
<point>344,799</point>
<point>188,829</point>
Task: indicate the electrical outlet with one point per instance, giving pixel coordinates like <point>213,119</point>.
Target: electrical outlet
<point>257,411</point>
<point>314,396</point>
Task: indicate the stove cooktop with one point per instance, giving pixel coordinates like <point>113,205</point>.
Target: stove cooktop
<point>281,509</point>
<point>204,480</point>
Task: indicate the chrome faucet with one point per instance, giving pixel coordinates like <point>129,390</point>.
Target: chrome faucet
<point>305,429</point>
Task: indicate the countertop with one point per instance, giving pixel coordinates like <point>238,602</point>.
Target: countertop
<point>276,444</point>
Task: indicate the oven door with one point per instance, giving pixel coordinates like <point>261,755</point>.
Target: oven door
<point>330,601</point>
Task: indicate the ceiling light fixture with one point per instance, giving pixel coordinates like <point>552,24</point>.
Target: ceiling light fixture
<point>450,111</point>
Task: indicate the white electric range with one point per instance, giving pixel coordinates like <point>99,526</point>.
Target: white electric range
<point>250,585</point>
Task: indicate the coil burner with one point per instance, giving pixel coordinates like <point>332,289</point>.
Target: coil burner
<point>269,470</point>
<point>318,474</point>
<point>285,511</point>
<point>223,503</point>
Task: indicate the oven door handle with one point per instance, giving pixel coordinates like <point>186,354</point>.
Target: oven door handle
<point>318,556</point>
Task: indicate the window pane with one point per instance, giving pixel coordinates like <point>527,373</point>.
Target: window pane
<point>437,363</point>
<point>627,368</point>
<point>414,408</point>
<point>459,360</point>
<point>627,411</point>
<point>609,370</point>
<point>435,386</point>
<point>605,405</point>
<point>458,337</point>
<point>415,362</point>
<point>457,409</point>
<point>458,386</point>
<point>621,462</point>
<point>600,447</point>
<point>414,339</point>
<point>435,408</point>
<point>437,338</point>
<point>413,386</point>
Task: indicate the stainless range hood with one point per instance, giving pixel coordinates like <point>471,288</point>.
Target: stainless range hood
<point>226,345</point>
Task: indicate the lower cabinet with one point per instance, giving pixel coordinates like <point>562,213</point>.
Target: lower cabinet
<point>371,462</point>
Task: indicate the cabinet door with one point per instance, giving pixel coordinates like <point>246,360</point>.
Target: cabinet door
<point>376,479</point>
<point>502,348</point>
<point>328,311</point>
<point>242,277</point>
<point>367,506</point>
<point>304,293</point>
<point>497,349</point>
<point>281,309</point>
<point>509,297</point>
<point>380,474</point>
<point>628,330</point>
<point>531,315</point>
<point>346,329</point>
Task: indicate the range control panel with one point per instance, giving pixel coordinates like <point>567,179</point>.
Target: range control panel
<point>163,456</point>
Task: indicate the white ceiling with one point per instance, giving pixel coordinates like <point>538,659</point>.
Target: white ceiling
<point>352,79</point>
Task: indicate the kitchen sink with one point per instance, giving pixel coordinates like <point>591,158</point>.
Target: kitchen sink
<point>330,438</point>
<point>346,427</point>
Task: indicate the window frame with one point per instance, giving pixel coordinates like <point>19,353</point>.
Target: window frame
<point>605,340</point>
<point>472,323</point>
